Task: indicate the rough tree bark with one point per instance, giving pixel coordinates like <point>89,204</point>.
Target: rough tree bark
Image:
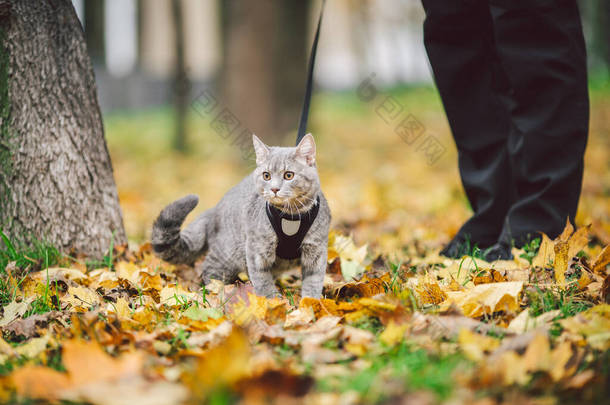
<point>56,180</point>
<point>265,51</point>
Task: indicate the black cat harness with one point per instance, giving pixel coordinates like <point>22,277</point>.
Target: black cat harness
<point>291,229</point>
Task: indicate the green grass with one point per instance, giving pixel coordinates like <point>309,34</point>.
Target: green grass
<point>38,255</point>
<point>567,301</point>
<point>531,250</point>
<point>404,366</point>
<point>372,324</point>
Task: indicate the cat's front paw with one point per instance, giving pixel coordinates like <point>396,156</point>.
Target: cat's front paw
<point>312,293</point>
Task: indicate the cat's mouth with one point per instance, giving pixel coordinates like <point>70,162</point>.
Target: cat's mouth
<point>279,201</point>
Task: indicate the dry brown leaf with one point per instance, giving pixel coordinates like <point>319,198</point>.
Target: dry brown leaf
<point>430,293</point>
<point>14,310</point>
<point>81,298</point>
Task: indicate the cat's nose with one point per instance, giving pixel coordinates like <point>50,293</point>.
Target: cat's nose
<point>275,190</point>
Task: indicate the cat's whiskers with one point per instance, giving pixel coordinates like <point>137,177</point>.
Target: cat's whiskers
<point>305,209</point>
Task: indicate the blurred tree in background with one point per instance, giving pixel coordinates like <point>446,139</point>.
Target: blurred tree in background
<point>596,22</point>
<point>94,35</point>
<point>265,56</point>
<point>252,55</point>
<point>181,85</point>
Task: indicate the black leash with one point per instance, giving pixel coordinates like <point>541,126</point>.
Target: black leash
<point>312,61</point>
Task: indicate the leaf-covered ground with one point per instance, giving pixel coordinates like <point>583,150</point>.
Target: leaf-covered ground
<point>398,324</point>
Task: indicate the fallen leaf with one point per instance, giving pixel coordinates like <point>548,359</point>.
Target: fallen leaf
<point>201,314</point>
<point>300,317</point>
<point>561,262</point>
<point>221,366</point>
<point>430,293</point>
<point>393,334</point>
<point>129,391</point>
<point>602,260</point>
<point>593,324</point>
<point>567,231</point>
<point>33,347</point>
<point>273,383</point>
<point>486,298</point>
<point>525,322</point>
<point>81,298</point>
<point>475,346</point>
<point>14,310</point>
<point>546,252</point>
<point>605,290</point>
<point>578,241</point>
<point>78,356</point>
<point>39,382</point>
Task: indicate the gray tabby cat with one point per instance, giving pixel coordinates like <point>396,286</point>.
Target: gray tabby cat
<point>237,235</point>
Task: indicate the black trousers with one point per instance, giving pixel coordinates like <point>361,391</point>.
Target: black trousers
<point>512,76</point>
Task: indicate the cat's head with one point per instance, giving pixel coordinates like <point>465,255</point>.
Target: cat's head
<point>287,177</point>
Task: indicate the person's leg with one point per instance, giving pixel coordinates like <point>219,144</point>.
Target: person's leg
<point>541,48</point>
<point>459,40</point>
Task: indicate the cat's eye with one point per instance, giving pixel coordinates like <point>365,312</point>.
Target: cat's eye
<point>288,175</point>
<point>266,176</point>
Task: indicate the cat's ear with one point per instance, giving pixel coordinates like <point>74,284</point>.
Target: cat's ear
<point>261,150</point>
<point>306,150</point>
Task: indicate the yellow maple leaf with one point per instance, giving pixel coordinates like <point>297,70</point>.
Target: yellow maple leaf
<point>546,252</point>
<point>393,333</point>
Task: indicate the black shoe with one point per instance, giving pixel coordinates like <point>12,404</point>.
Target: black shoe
<point>456,249</point>
<point>459,247</point>
<point>498,251</point>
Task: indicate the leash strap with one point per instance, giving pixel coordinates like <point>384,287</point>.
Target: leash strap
<point>312,61</point>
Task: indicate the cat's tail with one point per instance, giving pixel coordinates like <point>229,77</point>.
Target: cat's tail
<point>172,244</point>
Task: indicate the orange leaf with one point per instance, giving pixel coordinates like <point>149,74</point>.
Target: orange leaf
<point>87,362</point>
<point>39,382</point>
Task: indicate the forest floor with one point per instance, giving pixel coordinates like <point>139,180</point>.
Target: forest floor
<point>398,324</point>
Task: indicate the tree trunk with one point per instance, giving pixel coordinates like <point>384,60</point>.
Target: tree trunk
<point>265,50</point>
<point>94,30</point>
<point>182,84</point>
<point>56,181</point>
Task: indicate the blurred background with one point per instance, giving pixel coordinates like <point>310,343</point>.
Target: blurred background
<point>183,83</point>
